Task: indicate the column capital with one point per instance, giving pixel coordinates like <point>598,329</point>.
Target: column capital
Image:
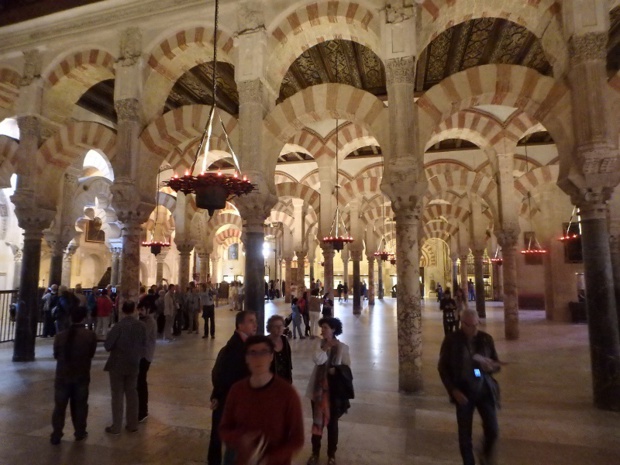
<point>128,109</point>
<point>400,70</point>
<point>185,247</point>
<point>255,208</point>
<point>404,184</point>
<point>477,253</point>
<point>507,237</point>
<point>356,255</point>
<point>127,202</point>
<point>590,46</point>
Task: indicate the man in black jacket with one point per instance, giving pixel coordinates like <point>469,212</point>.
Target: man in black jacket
<point>229,368</point>
<point>466,363</point>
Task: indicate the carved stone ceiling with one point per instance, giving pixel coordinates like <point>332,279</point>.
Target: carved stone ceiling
<point>613,44</point>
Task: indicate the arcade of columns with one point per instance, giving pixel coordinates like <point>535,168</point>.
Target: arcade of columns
<point>575,106</point>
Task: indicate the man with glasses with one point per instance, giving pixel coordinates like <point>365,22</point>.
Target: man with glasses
<point>263,421</point>
<point>466,363</point>
<point>229,368</point>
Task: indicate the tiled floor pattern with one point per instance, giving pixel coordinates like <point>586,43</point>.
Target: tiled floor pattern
<point>547,416</point>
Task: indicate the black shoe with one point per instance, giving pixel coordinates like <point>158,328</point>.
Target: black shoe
<point>205,336</point>
<point>313,460</point>
<point>82,436</point>
<point>131,430</point>
<point>54,440</point>
<point>143,419</point>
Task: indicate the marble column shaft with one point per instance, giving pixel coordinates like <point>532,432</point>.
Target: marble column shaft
<point>463,260</point>
<point>184,255</point>
<point>301,268</point>
<point>380,278</point>
<point>115,266</point>
<point>159,274</point>
<point>479,282</point>
<point>328,257</point>
<point>356,256</point>
<point>508,241</point>
<point>253,238</point>
<point>601,306</point>
<point>67,261</point>
<point>130,261</point>
<point>345,272</point>
<point>288,273</point>
<point>371,280</point>
<point>28,300</point>
<point>409,310</point>
<point>17,271</point>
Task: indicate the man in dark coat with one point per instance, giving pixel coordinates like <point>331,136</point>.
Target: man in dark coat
<point>229,368</point>
<point>74,349</point>
<point>466,362</point>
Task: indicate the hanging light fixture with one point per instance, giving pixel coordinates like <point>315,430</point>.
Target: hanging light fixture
<point>156,246</point>
<point>570,235</point>
<point>533,246</point>
<point>212,189</point>
<point>338,235</point>
<point>496,258</point>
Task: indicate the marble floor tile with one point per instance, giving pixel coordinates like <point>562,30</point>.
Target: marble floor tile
<point>547,416</point>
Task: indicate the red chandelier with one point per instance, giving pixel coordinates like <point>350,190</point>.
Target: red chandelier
<point>212,189</point>
<point>393,259</point>
<point>155,246</point>
<point>382,254</point>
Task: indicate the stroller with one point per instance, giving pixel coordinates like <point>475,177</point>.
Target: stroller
<point>287,321</point>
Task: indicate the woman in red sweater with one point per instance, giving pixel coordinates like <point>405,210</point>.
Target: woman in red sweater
<point>262,419</point>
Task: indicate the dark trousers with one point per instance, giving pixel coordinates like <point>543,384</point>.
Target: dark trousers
<point>76,395</point>
<point>143,389</point>
<point>306,319</point>
<point>49,328</point>
<point>214,456</point>
<point>464,418</point>
<point>208,314</point>
<point>332,436</point>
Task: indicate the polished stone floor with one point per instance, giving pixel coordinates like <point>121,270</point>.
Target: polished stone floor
<point>547,416</point>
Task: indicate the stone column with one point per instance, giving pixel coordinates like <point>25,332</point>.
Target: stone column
<point>204,266</point>
<point>115,266</point>
<point>160,259</point>
<point>479,282</point>
<point>344,255</point>
<point>301,268</point>
<point>328,258</point>
<point>356,256</point>
<point>455,272</point>
<point>507,239</point>
<point>215,269</point>
<point>18,256</point>
<point>185,250</point>
<point>371,279</point>
<point>288,274</point>
<point>33,222</point>
<point>380,275</point>
<point>601,306</point>
<point>56,259</point>
<point>67,260</point>
<point>463,260</point>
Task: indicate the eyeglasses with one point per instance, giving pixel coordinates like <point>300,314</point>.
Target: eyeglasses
<point>258,353</point>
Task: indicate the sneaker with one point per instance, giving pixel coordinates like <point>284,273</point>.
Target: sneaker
<point>143,419</point>
<point>112,431</point>
<point>82,436</point>
<point>313,460</point>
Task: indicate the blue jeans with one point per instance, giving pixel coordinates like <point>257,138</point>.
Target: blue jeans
<point>485,405</point>
<point>76,395</point>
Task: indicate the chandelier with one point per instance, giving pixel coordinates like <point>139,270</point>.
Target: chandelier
<point>338,236</point>
<point>156,246</point>
<point>496,258</point>
<point>533,246</point>
<point>212,189</point>
<point>570,234</point>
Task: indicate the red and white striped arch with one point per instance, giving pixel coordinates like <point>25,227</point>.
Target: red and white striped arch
<point>9,91</point>
<point>295,190</point>
<point>435,211</point>
<point>71,77</point>
<point>229,233</point>
<point>178,52</point>
<point>535,178</point>
<point>299,29</point>
<point>178,127</point>
<point>542,98</point>
<point>8,160</point>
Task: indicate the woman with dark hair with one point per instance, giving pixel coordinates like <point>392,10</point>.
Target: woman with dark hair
<point>282,364</point>
<point>329,389</point>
